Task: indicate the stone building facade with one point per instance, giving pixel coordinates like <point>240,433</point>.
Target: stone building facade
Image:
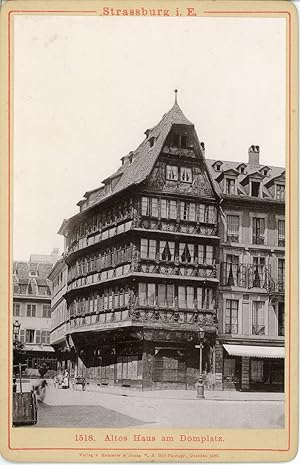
<point>252,280</point>
<point>32,310</point>
<point>142,260</point>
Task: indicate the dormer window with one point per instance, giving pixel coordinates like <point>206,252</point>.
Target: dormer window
<point>241,168</point>
<point>151,141</point>
<point>172,173</point>
<point>184,141</point>
<point>130,159</point>
<point>229,186</point>
<point>255,189</point>
<point>186,174</point>
<point>265,170</point>
<point>280,192</point>
<point>180,140</point>
<point>217,166</point>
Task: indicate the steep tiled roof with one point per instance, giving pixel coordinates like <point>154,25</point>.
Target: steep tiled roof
<point>34,273</point>
<point>137,165</point>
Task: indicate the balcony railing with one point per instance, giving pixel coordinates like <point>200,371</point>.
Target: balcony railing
<point>258,330</point>
<point>231,328</point>
<point>146,315</point>
<point>246,275</point>
<point>258,239</point>
<point>233,238</point>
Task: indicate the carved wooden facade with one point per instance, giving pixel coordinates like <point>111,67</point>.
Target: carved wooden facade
<point>143,273</point>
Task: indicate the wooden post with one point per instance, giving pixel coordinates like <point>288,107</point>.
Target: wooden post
<point>20,375</point>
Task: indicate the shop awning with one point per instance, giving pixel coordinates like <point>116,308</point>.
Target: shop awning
<point>254,351</point>
<point>38,348</point>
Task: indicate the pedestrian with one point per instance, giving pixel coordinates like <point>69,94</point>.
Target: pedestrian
<point>65,383</point>
<point>40,390</point>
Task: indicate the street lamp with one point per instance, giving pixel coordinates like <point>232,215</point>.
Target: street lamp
<point>200,385</point>
<point>16,327</point>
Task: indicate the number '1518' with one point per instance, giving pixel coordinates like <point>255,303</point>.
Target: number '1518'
<point>84,437</point>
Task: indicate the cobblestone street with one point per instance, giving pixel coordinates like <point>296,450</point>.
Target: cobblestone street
<point>159,409</point>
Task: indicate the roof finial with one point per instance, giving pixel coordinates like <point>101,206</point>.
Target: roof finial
<point>175,95</point>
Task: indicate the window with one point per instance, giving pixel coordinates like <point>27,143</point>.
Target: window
<point>208,298</point>
<point>172,173</point>
<point>154,207</point>
<point>258,318</point>
<point>187,211</point>
<point>180,141</point>
<point>232,270</point>
<point>186,252</point>
<point>46,311</point>
<point>281,233</point>
<point>184,142</point>
<point>280,192</point>
<point>151,141</point>
<point>231,316</point>
<point>186,174</point>
<point>145,206</point>
<point>259,270</point>
<point>258,231</point>
<point>209,255</point>
<point>281,273</point>
<point>230,186</point>
<point>186,297</point>
<point>166,250</point>
<point>256,371</point>
<point>150,206</point>
<point>146,294</point>
<point>31,310</point>
<point>22,336</point>
<point>45,337</point>
<point>169,367</point>
<point>211,214</point>
<point>255,188</point>
<point>217,166</point>
<point>168,209</point>
<point>16,310</point>
<point>184,210</point>
<point>233,228</point>
<point>29,338</point>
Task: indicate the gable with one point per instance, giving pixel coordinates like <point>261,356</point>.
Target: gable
<point>181,169</point>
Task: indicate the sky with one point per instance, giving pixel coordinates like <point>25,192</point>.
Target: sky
<point>86,89</point>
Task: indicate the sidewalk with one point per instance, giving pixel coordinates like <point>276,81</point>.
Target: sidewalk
<point>93,395</point>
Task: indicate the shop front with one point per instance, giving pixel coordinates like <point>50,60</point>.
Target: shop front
<point>253,368</point>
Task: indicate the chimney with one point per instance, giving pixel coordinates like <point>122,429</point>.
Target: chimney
<point>253,155</point>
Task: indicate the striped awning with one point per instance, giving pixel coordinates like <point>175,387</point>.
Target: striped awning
<point>254,351</point>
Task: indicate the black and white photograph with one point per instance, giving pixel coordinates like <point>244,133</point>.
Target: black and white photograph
<point>149,224</point>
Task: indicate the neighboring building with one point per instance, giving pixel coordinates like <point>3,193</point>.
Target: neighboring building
<point>251,301</point>
<point>142,259</point>
<point>60,317</point>
<point>31,308</point>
